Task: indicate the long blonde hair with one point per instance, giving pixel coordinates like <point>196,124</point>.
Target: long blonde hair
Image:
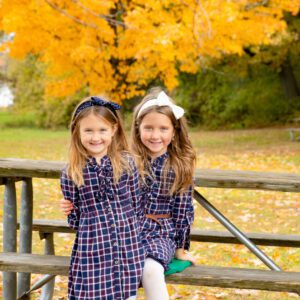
<point>182,157</point>
<point>77,153</point>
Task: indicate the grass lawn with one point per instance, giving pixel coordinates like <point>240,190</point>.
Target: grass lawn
<point>256,211</point>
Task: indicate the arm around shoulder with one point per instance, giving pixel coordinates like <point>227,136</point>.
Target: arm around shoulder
<point>70,193</point>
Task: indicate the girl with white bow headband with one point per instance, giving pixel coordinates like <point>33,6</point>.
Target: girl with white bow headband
<point>166,161</point>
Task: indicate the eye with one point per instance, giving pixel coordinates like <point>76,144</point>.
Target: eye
<point>147,128</point>
<point>164,128</point>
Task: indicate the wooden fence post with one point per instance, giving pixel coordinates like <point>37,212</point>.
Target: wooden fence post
<point>9,236</point>
<point>25,231</point>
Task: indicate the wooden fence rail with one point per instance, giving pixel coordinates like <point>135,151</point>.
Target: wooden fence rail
<point>12,170</point>
<point>285,182</point>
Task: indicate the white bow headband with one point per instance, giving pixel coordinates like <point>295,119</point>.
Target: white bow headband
<point>163,100</point>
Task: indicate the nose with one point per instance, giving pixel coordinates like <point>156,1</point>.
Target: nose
<point>155,134</point>
<point>95,136</point>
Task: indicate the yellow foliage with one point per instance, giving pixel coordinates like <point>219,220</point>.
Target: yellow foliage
<point>118,50</point>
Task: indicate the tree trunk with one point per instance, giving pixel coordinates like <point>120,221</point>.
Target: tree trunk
<point>288,80</point>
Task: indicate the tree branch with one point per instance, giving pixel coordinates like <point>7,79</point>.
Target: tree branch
<point>108,18</point>
<point>206,17</point>
<point>254,5</point>
<point>63,12</point>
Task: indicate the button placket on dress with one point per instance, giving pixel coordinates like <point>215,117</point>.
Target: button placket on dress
<point>107,188</point>
<point>116,259</point>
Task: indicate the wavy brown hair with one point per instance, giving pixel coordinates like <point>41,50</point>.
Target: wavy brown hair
<point>116,150</point>
<point>182,157</point>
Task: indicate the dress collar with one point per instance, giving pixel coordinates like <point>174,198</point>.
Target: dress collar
<point>103,162</point>
<point>159,161</point>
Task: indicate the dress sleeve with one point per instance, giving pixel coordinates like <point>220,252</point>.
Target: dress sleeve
<point>183,217</point>
<point>70,192</point>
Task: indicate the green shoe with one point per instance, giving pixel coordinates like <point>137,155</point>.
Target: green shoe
<point>177,266</point>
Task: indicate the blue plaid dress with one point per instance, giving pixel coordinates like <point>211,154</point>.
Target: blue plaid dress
<point>161,241</point>
<point>108,256</point>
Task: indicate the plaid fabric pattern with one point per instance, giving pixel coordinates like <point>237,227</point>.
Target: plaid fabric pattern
<point>108,256</point>
<point>160,242</point>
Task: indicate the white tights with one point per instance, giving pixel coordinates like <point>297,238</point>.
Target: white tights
<point>154,281</point>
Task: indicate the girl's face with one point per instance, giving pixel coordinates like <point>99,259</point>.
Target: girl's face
<point>156,132</point>
<point>96,135</point>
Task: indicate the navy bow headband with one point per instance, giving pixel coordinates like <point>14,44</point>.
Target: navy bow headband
<point>95,101</point>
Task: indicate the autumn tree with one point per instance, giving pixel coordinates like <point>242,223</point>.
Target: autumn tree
<point>119,47</point>
<point>282,57</point>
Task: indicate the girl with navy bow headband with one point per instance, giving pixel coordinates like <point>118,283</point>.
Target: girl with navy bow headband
<point>101,181</point>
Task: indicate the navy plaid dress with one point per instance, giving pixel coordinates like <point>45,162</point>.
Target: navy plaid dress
<point>108,256</point>
<point>161,241</point>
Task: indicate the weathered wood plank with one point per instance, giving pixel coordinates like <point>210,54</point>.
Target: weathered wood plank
<point>34,263</point>
<point>238,278</point>
<point>51,226</point>
<point>294,129</point>
<point>211,236</point>
<point>11,167</point>
<point>199,275</point>
<point>286,182</point>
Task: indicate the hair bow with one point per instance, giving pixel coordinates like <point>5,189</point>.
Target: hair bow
<point>96,101</point>
<point>163,100</point>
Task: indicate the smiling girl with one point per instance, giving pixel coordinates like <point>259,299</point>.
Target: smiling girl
<point>166,161</point>
<point>101,181</point>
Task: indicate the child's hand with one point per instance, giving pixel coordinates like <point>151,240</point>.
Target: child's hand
<point>185,255</point>
<point>66,206</point>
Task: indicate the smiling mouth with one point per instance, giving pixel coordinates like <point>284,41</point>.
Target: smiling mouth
<point>155,143</point>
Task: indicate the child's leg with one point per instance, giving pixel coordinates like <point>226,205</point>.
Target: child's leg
<point>154,280</point>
